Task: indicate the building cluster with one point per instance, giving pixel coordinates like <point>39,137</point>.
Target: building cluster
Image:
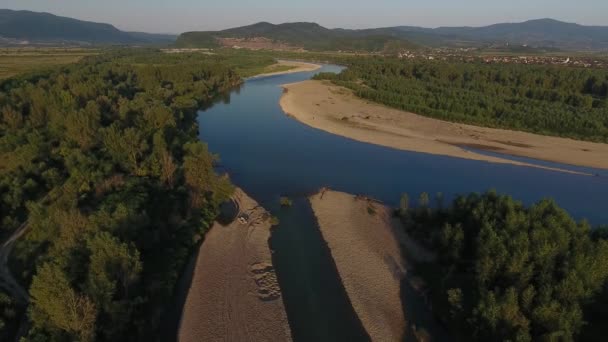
<point>472,55</point>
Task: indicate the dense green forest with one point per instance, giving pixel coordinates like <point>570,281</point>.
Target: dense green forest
<point>507,272</point>
<point>549,100</point>
<point>101,161</point>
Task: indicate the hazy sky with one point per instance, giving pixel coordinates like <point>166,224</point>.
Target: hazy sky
<point>176,16</point>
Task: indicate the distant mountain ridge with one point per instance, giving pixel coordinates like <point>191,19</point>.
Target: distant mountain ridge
<point>40,27</point>
<point>310,36</point>
<point>46,28</point>
<point>540,32</point>
<point>545,32</point>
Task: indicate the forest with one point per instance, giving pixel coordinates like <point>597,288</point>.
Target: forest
<point>550,100</point>
<point>101,161</point>
<point>510,272</point>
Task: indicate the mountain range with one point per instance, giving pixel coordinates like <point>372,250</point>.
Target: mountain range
<point>36,27</point>
<point>540,32</point>
<point>548,33</point>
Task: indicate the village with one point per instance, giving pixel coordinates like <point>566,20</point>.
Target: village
<point>475,55</point>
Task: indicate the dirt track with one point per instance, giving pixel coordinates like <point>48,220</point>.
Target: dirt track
<point>7,281</point>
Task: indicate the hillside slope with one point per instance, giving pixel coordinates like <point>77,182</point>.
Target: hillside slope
<point>309,36</point>
<point>540,32</point>
<point>38,27</point>
<point>547,33</point>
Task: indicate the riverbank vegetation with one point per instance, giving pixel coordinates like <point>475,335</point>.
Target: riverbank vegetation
<point>101,160</point>
<point>510,272</point>
<point>549,100</point>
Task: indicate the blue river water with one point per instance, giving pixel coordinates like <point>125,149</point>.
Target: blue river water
<point>269,154</point>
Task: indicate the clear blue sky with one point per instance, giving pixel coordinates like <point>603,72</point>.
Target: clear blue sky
<point>176,16</point>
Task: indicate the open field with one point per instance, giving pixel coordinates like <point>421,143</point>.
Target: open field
<point>15,61</point>
<point>336,110</point>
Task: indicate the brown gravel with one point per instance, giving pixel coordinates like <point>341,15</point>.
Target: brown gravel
<point>362,238</point>
<point>234,295</point>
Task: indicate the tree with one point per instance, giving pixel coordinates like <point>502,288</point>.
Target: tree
<point>167,169</point>
<point>455,300</point>
<point>452,241</point>
<point>134,147</point>
<point>12,118</point>
<point>201,178</point>
<point>126,147</point>
<point>404,204</point>
<point>423,200</point>
<point>82,126</point>
<point>56,305</point>
<point>114,267</point>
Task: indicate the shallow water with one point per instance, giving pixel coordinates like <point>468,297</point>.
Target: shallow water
<point>269,154</point>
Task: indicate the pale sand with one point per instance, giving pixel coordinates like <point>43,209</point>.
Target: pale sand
<point>296,67</point>
<point>366,250</point>
<point>337,110</point>
<point>234,295</point>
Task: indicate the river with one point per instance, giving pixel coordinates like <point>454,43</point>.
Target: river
<point>269,154</point>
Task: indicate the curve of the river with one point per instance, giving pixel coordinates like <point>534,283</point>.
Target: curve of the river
<point>269,154</point>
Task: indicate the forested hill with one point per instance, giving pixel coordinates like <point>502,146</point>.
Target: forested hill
<point>36,27</point>
<point>309,36</point>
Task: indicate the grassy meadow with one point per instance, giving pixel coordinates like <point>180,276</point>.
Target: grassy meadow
<point>15,61</point>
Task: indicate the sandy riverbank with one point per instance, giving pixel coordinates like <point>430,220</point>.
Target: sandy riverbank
<point>334,109</point>
<point>295,67</point>
<point>366,249</point>
<point>234,294</point>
